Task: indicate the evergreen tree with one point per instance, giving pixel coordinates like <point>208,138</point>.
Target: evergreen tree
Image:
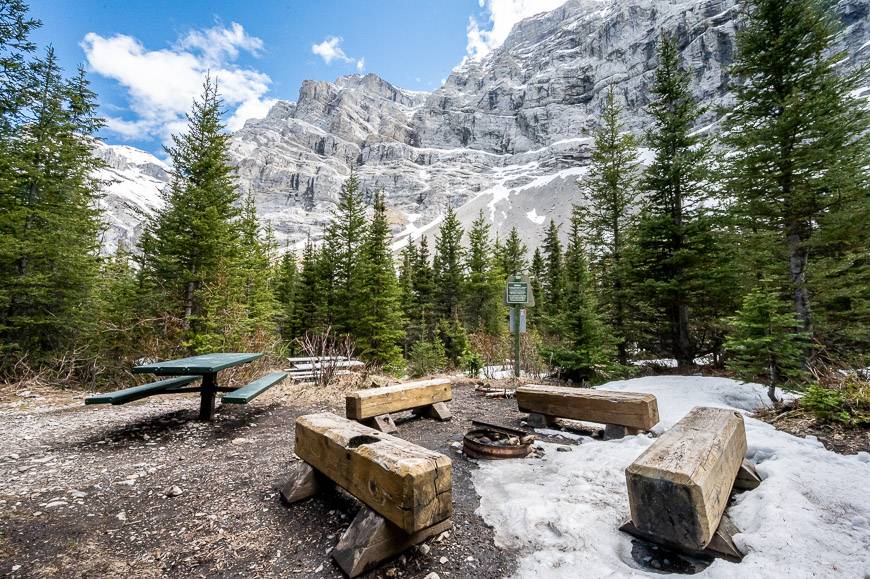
<point>447,266</point>
<point>483,292</point>
<point>117,308</point>
<point>380,322</point>
<point>611,192</point>
<point>671,226</point>
<point>49,221</point>
<point>553,283</point>
<point>766,340</point>
<point>286,285</point>
<point>190,240</point>
<point>582,349</point>
<point>254,266</point>
<point>424,289</point>
<point>15,78</point>
<point>310,307</point>
<point>799,134</point>
<point>410,306</point>
<point>342,273</point>
<point>513,254</point>
<point>536,277</point>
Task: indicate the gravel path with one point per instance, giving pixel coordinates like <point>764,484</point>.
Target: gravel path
<point>85,492</point>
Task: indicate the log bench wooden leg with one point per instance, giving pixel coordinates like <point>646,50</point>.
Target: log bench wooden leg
<point>371,539</point>
<point>437,411</point>
<point>616,431</point>
<point>384,423</point>
<point>536,420</point>
<point>302,483</point>
<point>747,477</point>
<point>721,545</point>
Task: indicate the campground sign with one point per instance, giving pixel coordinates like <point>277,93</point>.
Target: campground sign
<point>519,291</point>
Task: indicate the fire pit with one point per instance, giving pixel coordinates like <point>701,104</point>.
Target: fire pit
<point>496,442</point>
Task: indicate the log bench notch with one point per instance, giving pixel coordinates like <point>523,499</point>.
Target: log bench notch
<point>679,487</point>
<point>622,413</point>
<point>426,398</point>
<point>405,488</point>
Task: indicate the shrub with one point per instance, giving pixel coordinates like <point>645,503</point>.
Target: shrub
<point>849,403</point>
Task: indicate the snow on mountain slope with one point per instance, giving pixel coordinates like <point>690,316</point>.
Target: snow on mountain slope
<point>810,517</point>
<point>508,134</point>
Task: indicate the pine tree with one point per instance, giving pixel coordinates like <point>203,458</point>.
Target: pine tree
<point>380,322</point>
<point>513,254</point>
<point>254,265</point>
<point>671,225</point>
<point>766,340</point>
<point>582,351</point>
<point>343,244</point>
<point>536,277</point>
<point>49,221</point>
<point>310,307</point>
<point>447,266</point>
<point>424,289</point>
<point>611,192</point>
<point>410,305</point>
<point>482,294</point>
<point>553,283</point>
<point>15,79</point>
<point>799,136</point>
<point>191,239</point>
<point>286,285</point>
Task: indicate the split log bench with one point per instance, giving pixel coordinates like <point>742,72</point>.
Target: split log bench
<point>621,412</point>
<point>372,407</point>
<point>679,487</point>
<point>405,488</point>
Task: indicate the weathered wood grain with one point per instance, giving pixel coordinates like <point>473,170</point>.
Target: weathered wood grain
<point>364,404</point>
<point>630,409</point>
<point>407,484</point>
<point>371,539</point>
<point>679,487</point>
<point>302,482</point>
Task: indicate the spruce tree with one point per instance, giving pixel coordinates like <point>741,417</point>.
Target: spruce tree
<point>380,325</point>
<point>611,192</point>
<point>483,292</point>
<point>310,307</point>
<point>15,49</point>
<point>536,277</point>
<point>410,305</point>
<point>49,220</point>
<point>582,350</point>
<point>799,133</point>
<point>254,266</point>
<point>513,254</point>
<point>424,289</point>
<point>671,225</point>
<point>286,284</point>
<point>190,241</point>
<point>766,340</point>
<point>553,283</point>
<point>449,276</point>
<point>342,272</point>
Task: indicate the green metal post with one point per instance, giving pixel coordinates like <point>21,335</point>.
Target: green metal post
<point>517,341</point>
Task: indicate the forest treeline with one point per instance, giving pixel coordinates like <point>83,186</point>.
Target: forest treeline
<point>748,248</point>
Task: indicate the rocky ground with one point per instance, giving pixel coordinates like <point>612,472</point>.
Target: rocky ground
<point>146,490</point>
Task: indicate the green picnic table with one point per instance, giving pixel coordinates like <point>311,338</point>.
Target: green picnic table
<point>188,370</point>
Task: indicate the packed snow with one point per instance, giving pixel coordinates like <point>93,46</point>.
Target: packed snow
<point>810,517</point>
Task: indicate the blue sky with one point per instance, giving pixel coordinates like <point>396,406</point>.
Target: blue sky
<point>146,58</point>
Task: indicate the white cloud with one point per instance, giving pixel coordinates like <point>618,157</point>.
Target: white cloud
<point>503,14</point>
<point>161,84</point>
<point>330,50</point>
<point>361,64</point>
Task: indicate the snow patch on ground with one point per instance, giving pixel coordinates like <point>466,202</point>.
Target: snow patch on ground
<point>809,518</point>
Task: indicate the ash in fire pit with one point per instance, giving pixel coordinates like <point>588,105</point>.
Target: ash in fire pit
<point>494,441</point>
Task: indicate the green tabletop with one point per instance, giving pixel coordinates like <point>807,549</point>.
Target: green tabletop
<point>198,365</point>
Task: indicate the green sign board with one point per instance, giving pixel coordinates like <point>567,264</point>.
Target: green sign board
<point>518,292</point>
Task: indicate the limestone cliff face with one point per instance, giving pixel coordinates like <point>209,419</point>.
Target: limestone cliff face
<point>508,135</point>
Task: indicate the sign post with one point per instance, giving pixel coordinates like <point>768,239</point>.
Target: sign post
<point>518,294</point>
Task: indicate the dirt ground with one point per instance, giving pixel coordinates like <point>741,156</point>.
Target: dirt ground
<point>832,435</point>
<point>84,490</point>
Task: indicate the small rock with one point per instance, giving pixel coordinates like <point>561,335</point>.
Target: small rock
<point>456,444</point>
<point>15,568</point>
<point>564,449</point>
<point>173,491</point>
<point>443,536</point>
<point>319,569</point>
<point>391,572</point>
<point>443,560</point>
<point>424,549</point>
<point>241,440</point>
<point>53,504</point>
<point>432,575</point>
<point>122,516</point>
<point>78,494</point>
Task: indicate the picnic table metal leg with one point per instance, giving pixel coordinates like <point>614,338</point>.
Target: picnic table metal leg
<point>207,396</point>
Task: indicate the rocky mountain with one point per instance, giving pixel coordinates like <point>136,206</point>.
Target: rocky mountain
<point>508,134</point>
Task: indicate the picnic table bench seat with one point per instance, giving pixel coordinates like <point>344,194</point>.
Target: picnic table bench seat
<point>247,393</point>
<point>170,385</point>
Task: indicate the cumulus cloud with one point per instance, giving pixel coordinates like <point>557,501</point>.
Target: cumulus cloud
<point>361,64</point>
<point>502,15</point>
<point>161,84</point>
<point>330,49</point>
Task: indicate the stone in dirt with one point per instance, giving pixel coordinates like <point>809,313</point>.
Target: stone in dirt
<point>432,575</point>
<point>443,560</point>
<point>173,491</point>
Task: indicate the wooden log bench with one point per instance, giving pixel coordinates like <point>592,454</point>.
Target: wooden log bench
<point>679,487</point>
<point>168,386</point>
<point>621,412</point>
<point>372,407</point>
<point>405,488</point>
<point>247,393</point>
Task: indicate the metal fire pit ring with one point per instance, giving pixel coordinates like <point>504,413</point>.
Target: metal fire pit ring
<point>476,449</point>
